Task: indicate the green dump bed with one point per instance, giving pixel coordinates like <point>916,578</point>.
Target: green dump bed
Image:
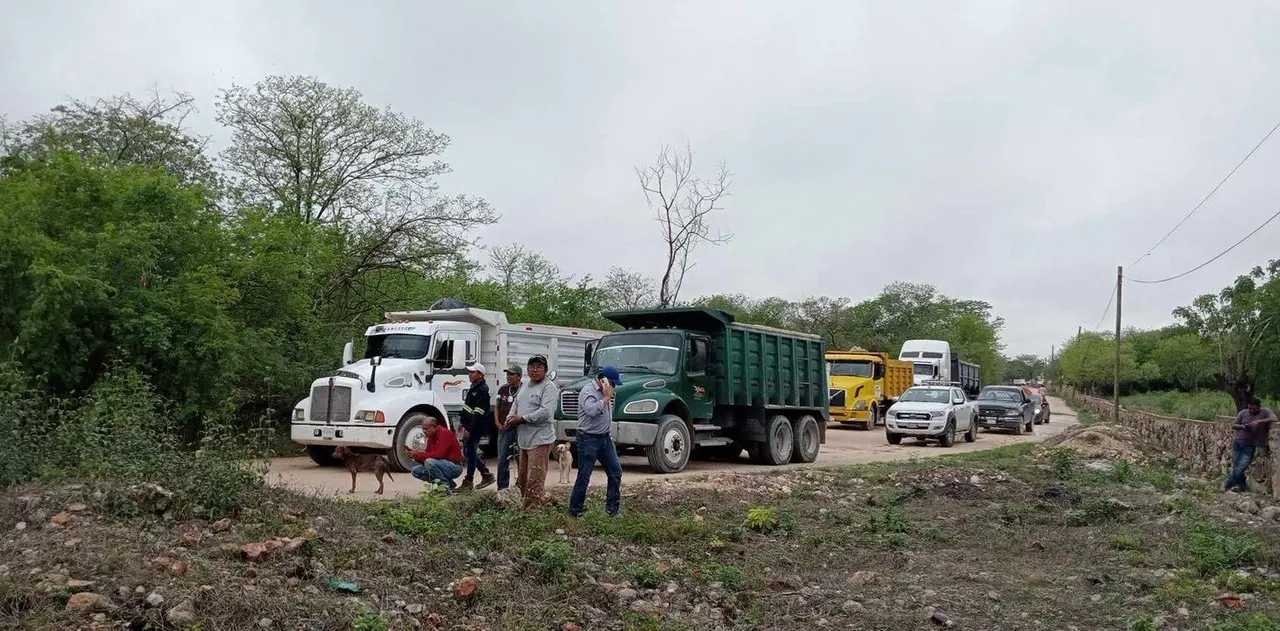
<point>751,364</point>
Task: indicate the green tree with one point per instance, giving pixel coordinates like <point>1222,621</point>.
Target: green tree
<point>1186,359</point>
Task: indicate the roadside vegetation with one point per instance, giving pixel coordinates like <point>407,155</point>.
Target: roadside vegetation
<point>994,539</point>
<point>1203,405</point>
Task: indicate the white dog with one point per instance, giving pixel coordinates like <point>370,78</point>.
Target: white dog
<point>566,461</point>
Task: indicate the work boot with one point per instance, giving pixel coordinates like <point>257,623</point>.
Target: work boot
<point>465,486</point>
<point>486,479</point>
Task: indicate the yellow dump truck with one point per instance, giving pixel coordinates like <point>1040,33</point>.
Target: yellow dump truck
<point>863,384</point>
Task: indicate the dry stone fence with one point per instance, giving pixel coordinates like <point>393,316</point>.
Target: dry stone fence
<point>1200,446</point>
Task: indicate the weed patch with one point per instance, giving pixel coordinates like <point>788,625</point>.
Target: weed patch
<point>1212,549</point>
<point>550,561</point>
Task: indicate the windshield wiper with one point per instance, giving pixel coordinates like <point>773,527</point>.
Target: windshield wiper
<point>644,368</point>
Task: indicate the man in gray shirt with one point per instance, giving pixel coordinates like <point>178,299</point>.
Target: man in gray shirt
<point>531,416</point>
<point>1251,427</point>
<point>595,420</point>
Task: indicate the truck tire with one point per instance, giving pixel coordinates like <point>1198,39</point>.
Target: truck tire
<point>875,417</point>
<point>894,439</point>
<point>322,455</point>
<point>948,437</point>
<point>671,448</point>
<point>807,440</point>
<point>410,427</point>
<point>779,441</point>
<point>972,434</point>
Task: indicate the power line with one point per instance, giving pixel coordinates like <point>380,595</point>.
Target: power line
<point>1220,255</point>
<point>1106,309</point>
<point>1206,197</point>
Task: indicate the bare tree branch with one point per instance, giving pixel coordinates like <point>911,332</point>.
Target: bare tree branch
<point>683,204</point>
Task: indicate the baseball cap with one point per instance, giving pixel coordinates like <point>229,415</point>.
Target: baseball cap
<point>514,369</point>
<point>537,359</point>
<point>476,367</point>
<point>611,373</point>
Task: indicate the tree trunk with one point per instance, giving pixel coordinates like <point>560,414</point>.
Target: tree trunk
<point>1240,388</point>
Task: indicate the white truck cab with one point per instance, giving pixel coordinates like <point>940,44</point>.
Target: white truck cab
<point>414,367</point>
<point>932,359</point>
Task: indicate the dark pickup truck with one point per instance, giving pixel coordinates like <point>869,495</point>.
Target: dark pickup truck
<point>1006,407</point>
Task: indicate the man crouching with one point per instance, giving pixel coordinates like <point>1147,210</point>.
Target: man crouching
<point>441,460</point>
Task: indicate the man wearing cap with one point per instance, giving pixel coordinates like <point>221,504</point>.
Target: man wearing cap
<point>531,415</point>
<point>595,420</point>
<point>475,424</point>
<point>506,437</point>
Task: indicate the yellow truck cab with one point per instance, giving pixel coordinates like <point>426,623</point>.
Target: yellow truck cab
<point>863,384</point>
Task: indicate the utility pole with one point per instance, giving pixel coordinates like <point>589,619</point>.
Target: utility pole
<point>1079,330</point>
<point>1115,392</point>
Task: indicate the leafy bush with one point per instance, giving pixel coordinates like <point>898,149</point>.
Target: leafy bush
<point>550,561</point>
<point>1063,461</point>
<point>1212,549</point>
<point>762,519</point>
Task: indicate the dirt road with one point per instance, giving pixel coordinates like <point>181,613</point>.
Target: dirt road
<point>844,446</point>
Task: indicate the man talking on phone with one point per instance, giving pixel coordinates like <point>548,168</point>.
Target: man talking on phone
<point>595,420</point>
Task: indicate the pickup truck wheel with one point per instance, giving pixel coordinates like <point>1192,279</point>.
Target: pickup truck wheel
<point>408,434</point>
<point>1029,427</point>
<point>894,439</point>
<point>671,448</point>
<point>807,440</point>
<point>322,455</point>
<point>972,434</point>
<point>779,441</point>
<point>948,437</point>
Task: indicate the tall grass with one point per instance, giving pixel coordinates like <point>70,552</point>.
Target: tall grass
<point>1202,405</point>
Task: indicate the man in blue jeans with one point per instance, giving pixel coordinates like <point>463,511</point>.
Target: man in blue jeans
<point>595,420</point>
<point>441,459</point>
<point>1251,426</point>
<point>475,426</point>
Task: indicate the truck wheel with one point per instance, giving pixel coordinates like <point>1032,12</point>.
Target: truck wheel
<point>670,450</point>
<point>779,440</point>
<point>894,439</point>
<point>875,417</point>
<point>807,440</point>
<point>1030,429</point>
<point>408,434</point>
<point>1017,430</point>
<point>948,437</point>
<point>322,455</point>
<point>972,434</point>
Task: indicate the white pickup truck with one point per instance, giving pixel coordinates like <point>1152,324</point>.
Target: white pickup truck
<point>414,366</point>
<point>932,411</point>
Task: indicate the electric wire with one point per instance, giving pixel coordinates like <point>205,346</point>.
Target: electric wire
<point>1218,256</point>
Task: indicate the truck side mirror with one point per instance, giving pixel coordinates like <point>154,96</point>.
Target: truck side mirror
<point>589,354</point>
<point>459,355</point>
<point>348,351</point>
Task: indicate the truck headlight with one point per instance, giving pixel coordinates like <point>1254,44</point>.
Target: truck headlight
<point>371,416</point>
<point>299,414</point>
<point>935,415</point>
<point>643,406</point>
<point>860,405</point>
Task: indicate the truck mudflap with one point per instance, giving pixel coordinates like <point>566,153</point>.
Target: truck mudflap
<point>822,431</point>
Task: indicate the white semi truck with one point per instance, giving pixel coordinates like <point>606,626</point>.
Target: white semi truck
<point>414,366</point>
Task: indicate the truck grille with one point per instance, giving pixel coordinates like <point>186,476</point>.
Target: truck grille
<point>569,405</point>
<point>338,412</point>
<point>995,411</point>
<point>839,397</point>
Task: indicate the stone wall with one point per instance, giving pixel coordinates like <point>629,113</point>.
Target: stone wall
<point>1200,446</point>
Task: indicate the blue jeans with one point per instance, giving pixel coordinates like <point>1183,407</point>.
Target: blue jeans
<point>471,455</point>
<point>506,446</point>
<point>593,447</point>
<point>434,470</point>
<point>1241,456</point>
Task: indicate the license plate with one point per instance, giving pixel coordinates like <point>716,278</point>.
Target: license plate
<point>327,433</point>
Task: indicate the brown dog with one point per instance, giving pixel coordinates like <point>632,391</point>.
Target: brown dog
<point>357,463</point>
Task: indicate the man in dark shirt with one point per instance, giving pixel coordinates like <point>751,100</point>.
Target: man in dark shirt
<point>506,437</point>
<point>475,422</point>
<point>1251,426</point>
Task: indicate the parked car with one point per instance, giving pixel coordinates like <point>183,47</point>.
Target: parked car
<point>1006,407</point>
<point>932,412</point>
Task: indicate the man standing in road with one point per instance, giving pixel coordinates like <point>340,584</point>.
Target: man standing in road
<point>531,415</point>
<point>506,436</point>
<point>441,460</point>
<point>595,420</point>
<point>475,425</point>
<point>1252,425</point>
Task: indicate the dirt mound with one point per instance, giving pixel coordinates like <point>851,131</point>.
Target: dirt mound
<point>1111,442</point>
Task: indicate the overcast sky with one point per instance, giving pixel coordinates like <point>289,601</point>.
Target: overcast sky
<point>1010,151</point>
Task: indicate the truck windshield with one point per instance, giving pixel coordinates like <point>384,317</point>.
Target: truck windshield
<point>924,369</point>
<point>657,353</point>
<point>397,345</point>
<point>850,369</point>
<point>931,355</point>
<point>926,395</point>
<point>999,395</point>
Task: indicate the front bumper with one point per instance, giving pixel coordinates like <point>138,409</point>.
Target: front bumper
<point>1000,422</point>
<point>623,432</point>
<point>845,415</point>
<point>916,427</point>
<point>379,436</point>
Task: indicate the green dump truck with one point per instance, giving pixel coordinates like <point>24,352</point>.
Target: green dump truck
<point>695,378</point>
